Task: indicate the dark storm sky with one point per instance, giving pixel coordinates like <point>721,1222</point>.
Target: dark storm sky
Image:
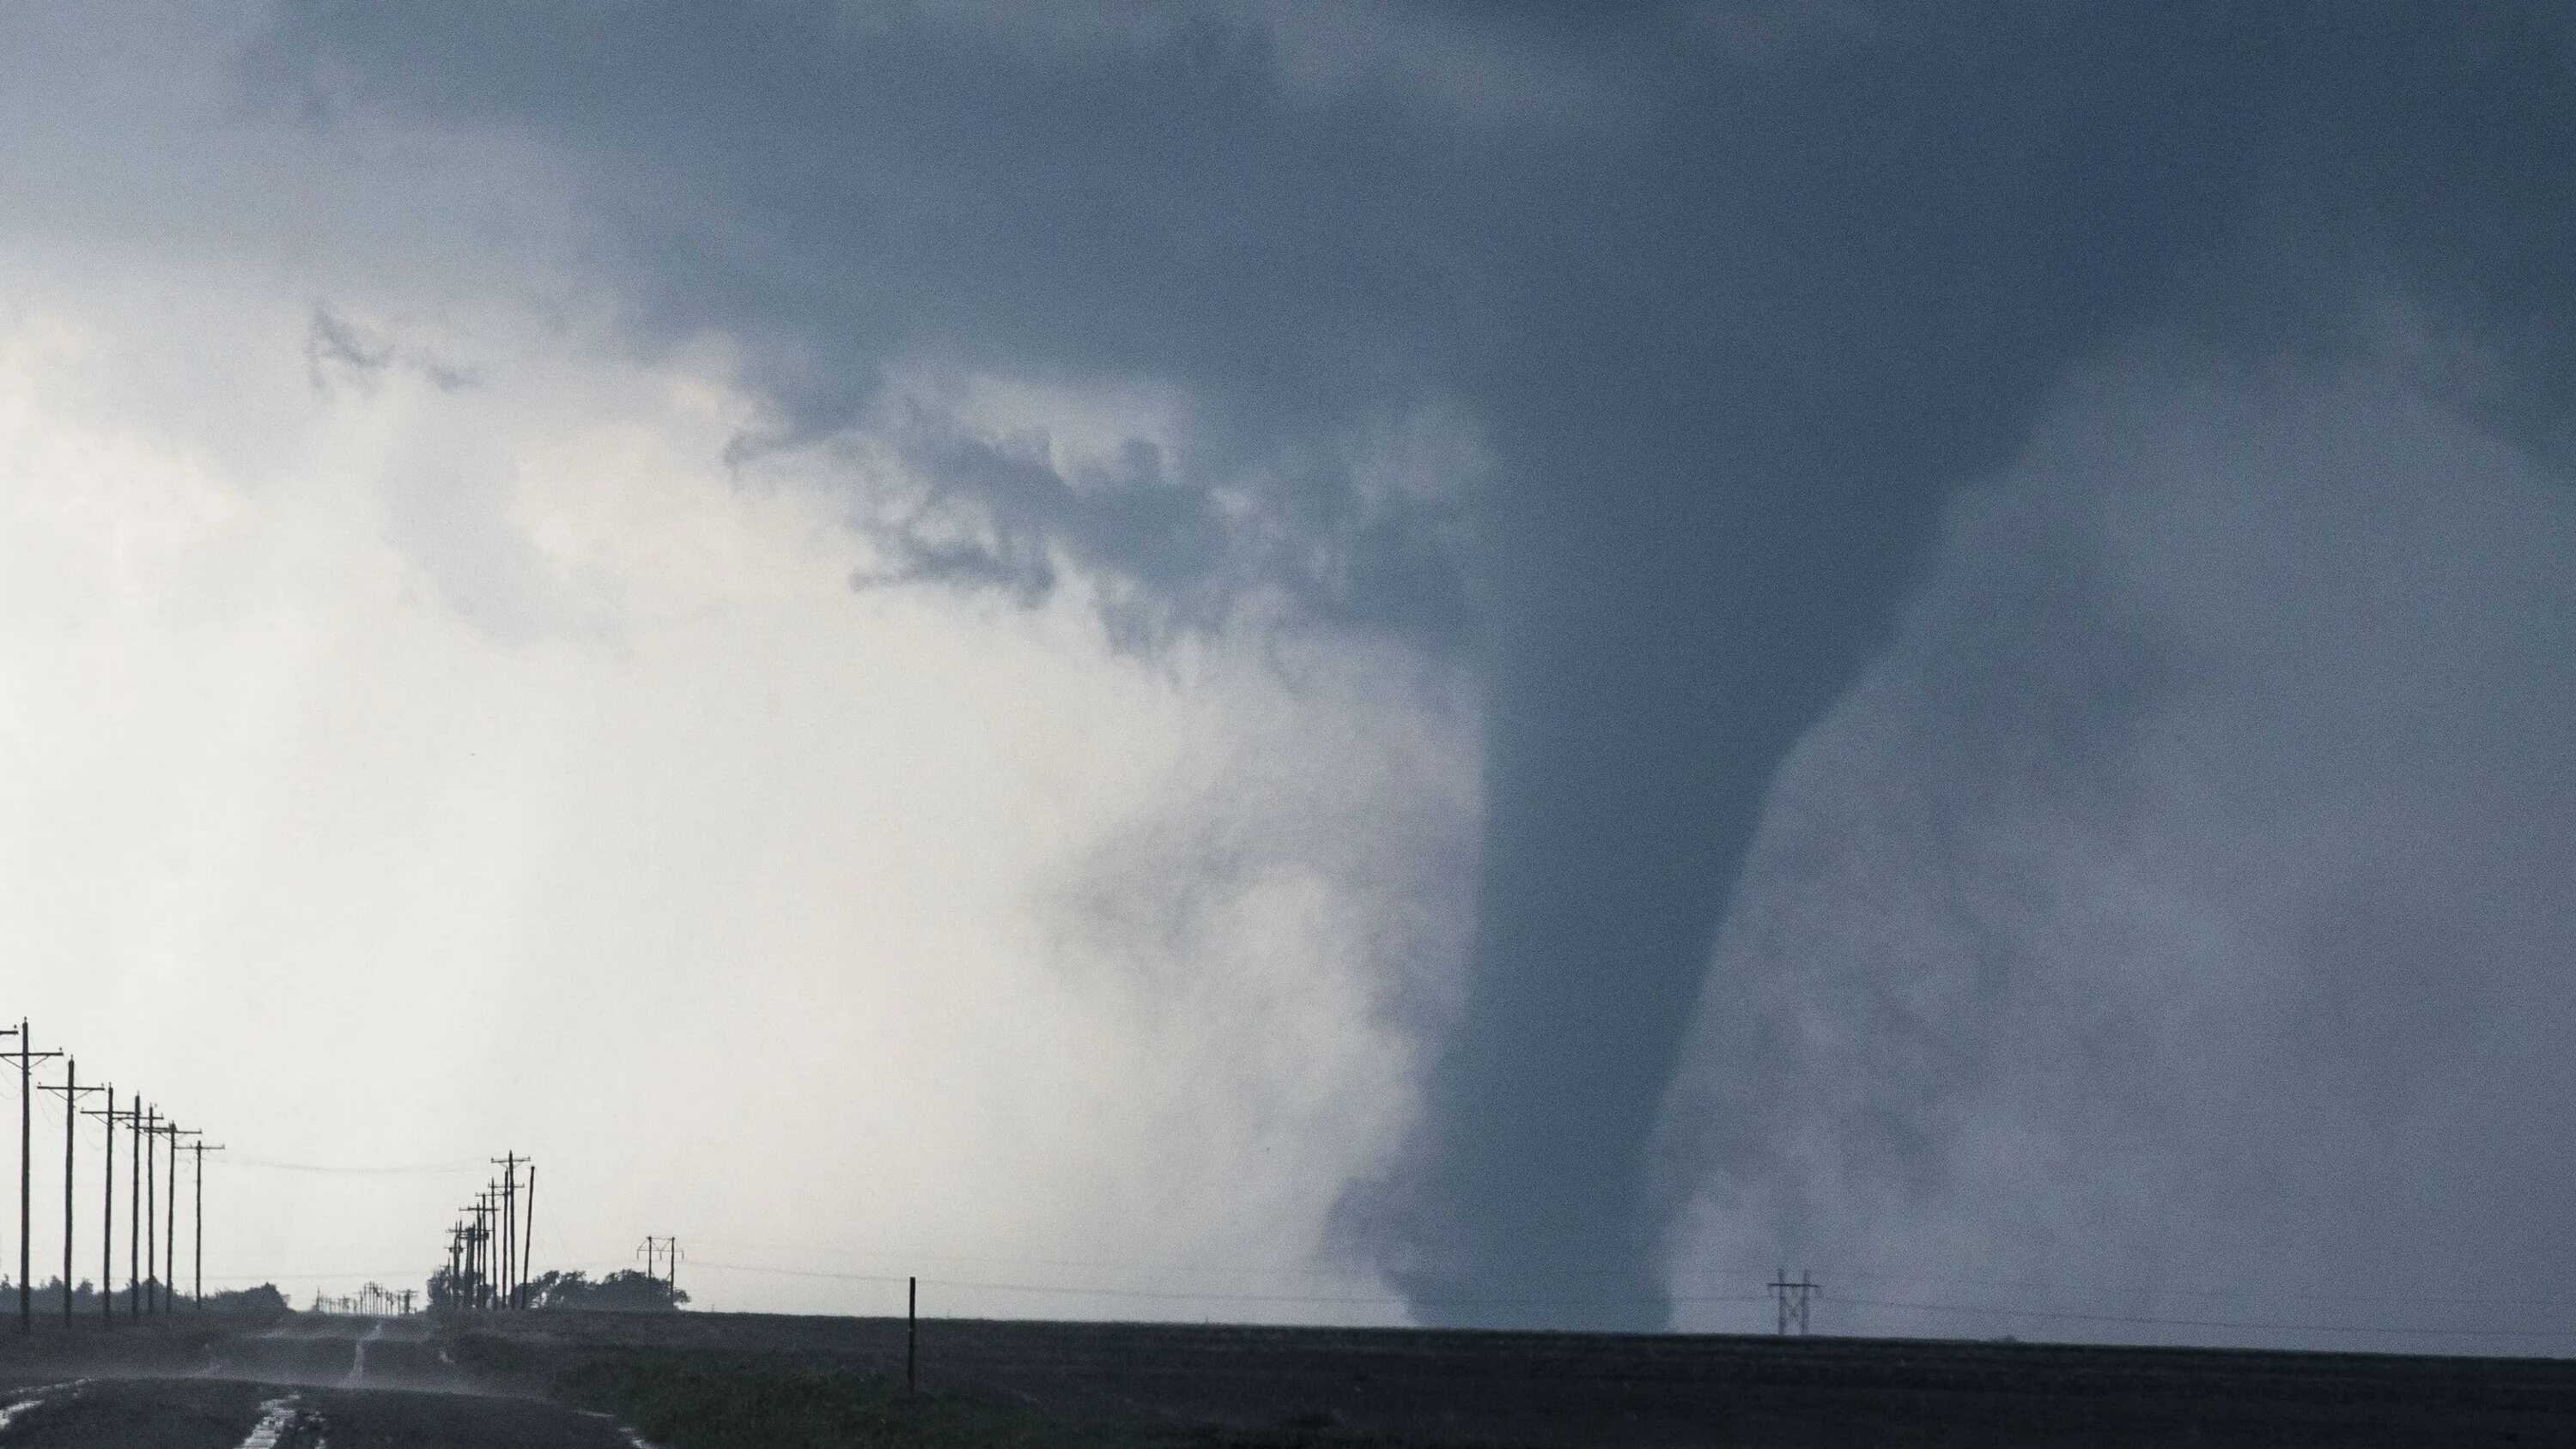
<point>1739,298</point>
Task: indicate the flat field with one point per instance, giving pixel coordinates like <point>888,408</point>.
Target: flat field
<point>1191,1384</point>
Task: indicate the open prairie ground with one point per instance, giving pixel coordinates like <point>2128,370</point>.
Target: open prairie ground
<point>711,1381</point>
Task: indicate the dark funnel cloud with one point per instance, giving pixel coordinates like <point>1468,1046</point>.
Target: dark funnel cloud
<point>1735,295</point>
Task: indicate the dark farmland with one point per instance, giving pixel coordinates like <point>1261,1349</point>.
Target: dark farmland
<point>1395,1386</point>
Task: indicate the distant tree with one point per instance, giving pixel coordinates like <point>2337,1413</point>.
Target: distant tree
<point>264,1299</point>
<point>447,1290</point>
<point>624,1291</point>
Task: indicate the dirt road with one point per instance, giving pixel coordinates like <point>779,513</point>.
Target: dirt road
<point>351,1383</point>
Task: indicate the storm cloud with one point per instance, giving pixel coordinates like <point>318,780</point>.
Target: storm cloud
<point>1717,308</point>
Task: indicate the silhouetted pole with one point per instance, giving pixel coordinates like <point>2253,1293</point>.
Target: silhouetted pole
<point>71,1091</point>
<point>26,1183</point>
<point>509,1227</point>
<point>911,1335</point>
<point>483,1248</point>
<point>201,1149</point>
<point>170,1224</point>
<point>71,1123</point>
<point>144,1143</point>
<point>107,1218</point>
<point>27,1060</point>
<point>528,1236</point>
<point>134,1217</point>
<point>71,1120</point>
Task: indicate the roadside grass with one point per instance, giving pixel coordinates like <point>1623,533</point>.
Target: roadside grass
<point>687,1403</point>
<point>699,1400</point>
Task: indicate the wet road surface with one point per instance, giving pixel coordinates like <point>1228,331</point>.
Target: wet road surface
<point>346,1384</point>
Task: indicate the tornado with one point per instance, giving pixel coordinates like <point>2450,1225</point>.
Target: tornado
<point>1725,455</point>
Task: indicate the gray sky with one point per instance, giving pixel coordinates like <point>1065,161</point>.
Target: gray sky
<point>1365,663</point>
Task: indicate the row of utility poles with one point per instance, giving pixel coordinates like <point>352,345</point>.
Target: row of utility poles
<point>152,1213</point>
<point>489,1246</point>
<point>373,1301</point>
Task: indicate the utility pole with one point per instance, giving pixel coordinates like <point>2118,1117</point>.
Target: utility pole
<point>483,1248</point>
<point>170,1223</point>
<point>528,1236</point>
<point>1792,1298</point>
<point>665,1251</point>
<point>201,1148</point>
<point>146,1142</point>
<point>107,1218</point>
<point>26,1058</point>
<point>134,1216</point>
<point>72,1091</point>
<point>509,1227</point>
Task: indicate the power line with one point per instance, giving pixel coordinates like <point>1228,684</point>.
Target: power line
<point>419,1170</point>
<point>1171,1295</point>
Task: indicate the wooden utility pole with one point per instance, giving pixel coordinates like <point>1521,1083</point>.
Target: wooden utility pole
<point>26,1059</point>
<point>146,1142</point>
<point>201,1148</point>
<point>107,1217</point>
<point>134,1216</point>
<point>509,1229</point>
<point>171,1221</point>
<point>528,1236</point>
<point>72,1091</point>
<point>483,1248</point>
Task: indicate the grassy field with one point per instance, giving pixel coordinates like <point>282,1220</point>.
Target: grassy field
<point>703,1381</point>
<point>721,1400</point>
